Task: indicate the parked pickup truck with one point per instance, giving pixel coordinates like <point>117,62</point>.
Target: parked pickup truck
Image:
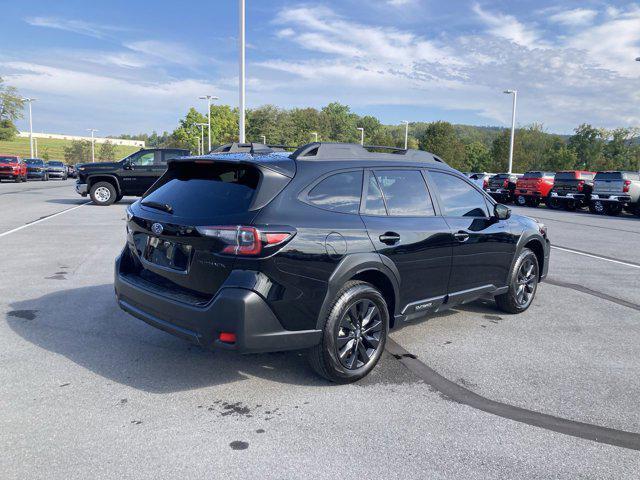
<point>615,191</point>
<point>12,168</point>
<point>572,189</point>
<point>108,182</point>
<point>502,186</point>
<point>533,187</point>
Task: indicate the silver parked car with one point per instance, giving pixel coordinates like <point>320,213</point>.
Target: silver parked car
<point>614,191</point>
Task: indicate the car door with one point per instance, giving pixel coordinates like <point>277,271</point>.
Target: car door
<point>400,218</point>
<point>139,173</point>
<point>482,246</point>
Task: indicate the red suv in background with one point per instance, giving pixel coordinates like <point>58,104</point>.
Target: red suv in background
<point>533,187</point>
<point>12,168</point>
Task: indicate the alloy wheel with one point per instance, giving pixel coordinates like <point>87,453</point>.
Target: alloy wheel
<point>526,282</point>
<point>359,334</point>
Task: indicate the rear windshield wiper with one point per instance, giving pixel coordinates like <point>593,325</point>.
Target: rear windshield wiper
<point>165,207</point>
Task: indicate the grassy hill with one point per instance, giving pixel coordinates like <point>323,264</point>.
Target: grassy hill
<point>54,147</point>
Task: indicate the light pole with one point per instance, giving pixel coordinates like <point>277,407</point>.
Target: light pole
<point>513,126</point>
<point>202,125</point>
<point>406,134</point>
<point>361,135</point>
<point>30,101</point>
<point>264,139</point>
<point>242,70</point>
<point>208,98</point>
<point>315,134</point>
<point>93,143</point>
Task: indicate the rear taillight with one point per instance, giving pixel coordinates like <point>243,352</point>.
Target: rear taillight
<point>485,184</point>
<point>242,240</point>
<point>505,184</point>
<point>627,184</point>
<point>580,185</point>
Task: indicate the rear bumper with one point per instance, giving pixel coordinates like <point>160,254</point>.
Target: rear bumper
<point>611,198</point>
<point>36,174</point>
<point>8,174</point>
<point>529,193</point>
<point>568,196</point>
<point>233,310</point>
<point>57,174</point>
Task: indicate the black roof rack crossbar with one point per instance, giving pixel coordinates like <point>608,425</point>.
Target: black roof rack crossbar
<point>253,148</point>
<point>345,151</point>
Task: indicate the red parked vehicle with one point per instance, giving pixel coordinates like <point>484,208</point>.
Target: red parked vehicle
<point>533,188</point>
<point>13,168</point>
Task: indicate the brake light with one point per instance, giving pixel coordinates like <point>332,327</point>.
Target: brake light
<point>485,184</point>
<point>627,184</point>
<point>505,184</point>
<point>243,240</point>
<point>580,185</point>
<point>227,337</point>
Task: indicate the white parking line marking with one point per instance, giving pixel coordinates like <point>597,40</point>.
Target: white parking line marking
<point>42,219</point>
<point>591,255</point>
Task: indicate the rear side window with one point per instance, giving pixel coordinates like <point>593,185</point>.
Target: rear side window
<point>338,193</point>
<point>405,193</point>
<point>458,198</point>
<point>200,190</point>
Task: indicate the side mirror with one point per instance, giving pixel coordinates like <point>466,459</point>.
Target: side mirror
<point>502,212</point>
<point>127,165</point>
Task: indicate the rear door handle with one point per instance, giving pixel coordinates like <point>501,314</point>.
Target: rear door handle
<point>389,238</point>
<point>461,237</point>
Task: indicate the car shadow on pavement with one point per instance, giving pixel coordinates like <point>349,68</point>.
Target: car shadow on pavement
<point>86,326</point>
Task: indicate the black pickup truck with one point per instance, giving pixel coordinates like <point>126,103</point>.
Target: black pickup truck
<point>571,189</point>
<point>108,182</point>
<point>502,186</point>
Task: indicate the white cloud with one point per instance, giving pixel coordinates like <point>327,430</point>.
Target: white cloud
<point>574,18</point>
<point>400,3</point>
<point>69,25</point>
<point>167,51</point>
<point>508,27</point>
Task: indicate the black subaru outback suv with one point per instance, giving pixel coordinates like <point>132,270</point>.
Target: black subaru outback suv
<point>108,182</point>
<point>323,249</point>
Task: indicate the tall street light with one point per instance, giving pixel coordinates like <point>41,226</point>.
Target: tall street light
<point>93,143</point>
<point>361,135</point>
<point>208,98</point>
<point>30,101</point>
<point>242,71</point>
<point>513,126</point>
<point>202,125</point>
<point>406,134</point>
<point>315,134</point>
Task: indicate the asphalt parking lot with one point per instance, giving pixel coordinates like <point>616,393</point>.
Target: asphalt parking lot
<point>87,391</point>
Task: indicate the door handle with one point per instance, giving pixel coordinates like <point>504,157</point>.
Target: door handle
<point>389,238</point>
<point>461,237</point>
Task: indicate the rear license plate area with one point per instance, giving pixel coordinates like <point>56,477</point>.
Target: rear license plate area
<point>167,254</point>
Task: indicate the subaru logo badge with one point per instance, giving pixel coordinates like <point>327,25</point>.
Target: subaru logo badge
<point>157,228</point>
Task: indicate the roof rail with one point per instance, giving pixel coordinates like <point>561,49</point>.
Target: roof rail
<point>236,147</point>
<point>345,151</point>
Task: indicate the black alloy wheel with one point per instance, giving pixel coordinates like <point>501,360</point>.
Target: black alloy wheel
<point>358,335</point>
<point>526,282</point>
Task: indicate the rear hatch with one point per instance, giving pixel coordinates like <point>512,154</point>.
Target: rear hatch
<point>609,183</point>
<point>530,181</point>
<point>185,234</point>
<point>498,181</point>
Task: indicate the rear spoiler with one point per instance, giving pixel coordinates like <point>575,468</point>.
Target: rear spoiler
<point>277,162</point>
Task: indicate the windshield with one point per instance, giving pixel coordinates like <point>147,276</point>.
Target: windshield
<point>8,160</point>
<point>56,164</point>
<point>34,161</point>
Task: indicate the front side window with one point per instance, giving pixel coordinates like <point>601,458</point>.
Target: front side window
<point>142,159</point>
<point>458,198</point>
<point>338,193</point>
<point>405,193</point>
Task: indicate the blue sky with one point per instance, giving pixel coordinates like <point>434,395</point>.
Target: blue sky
<point>137,66</point>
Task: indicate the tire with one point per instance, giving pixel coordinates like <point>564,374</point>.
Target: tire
<point>570,206</point>
<point>522,201</point>
<point>340,333</point>
<point>523,284</point>
<point>44,178</point>
<point>597,207</point>
<point>18,179</point>
<point>552,203</point>
<point>613,209</point>
<point>118,198</point>
<point>103,193</point>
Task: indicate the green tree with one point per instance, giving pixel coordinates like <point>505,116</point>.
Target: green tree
<point>339,124</point>
<point>107,152</point>
<point>588,143</point>
<point>8,130</point>
<point>619,152</point>
<point>11,103</point>
<point>78,151</point>
<point>45,154</point>
<point>440,139</point>
<point>477,157</point>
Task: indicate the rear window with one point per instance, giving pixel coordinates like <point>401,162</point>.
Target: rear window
<point>8,160</point>
<point>537,174</point>
<point>205,190</point>
<point>565,176</point>
<point>609,176</point>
